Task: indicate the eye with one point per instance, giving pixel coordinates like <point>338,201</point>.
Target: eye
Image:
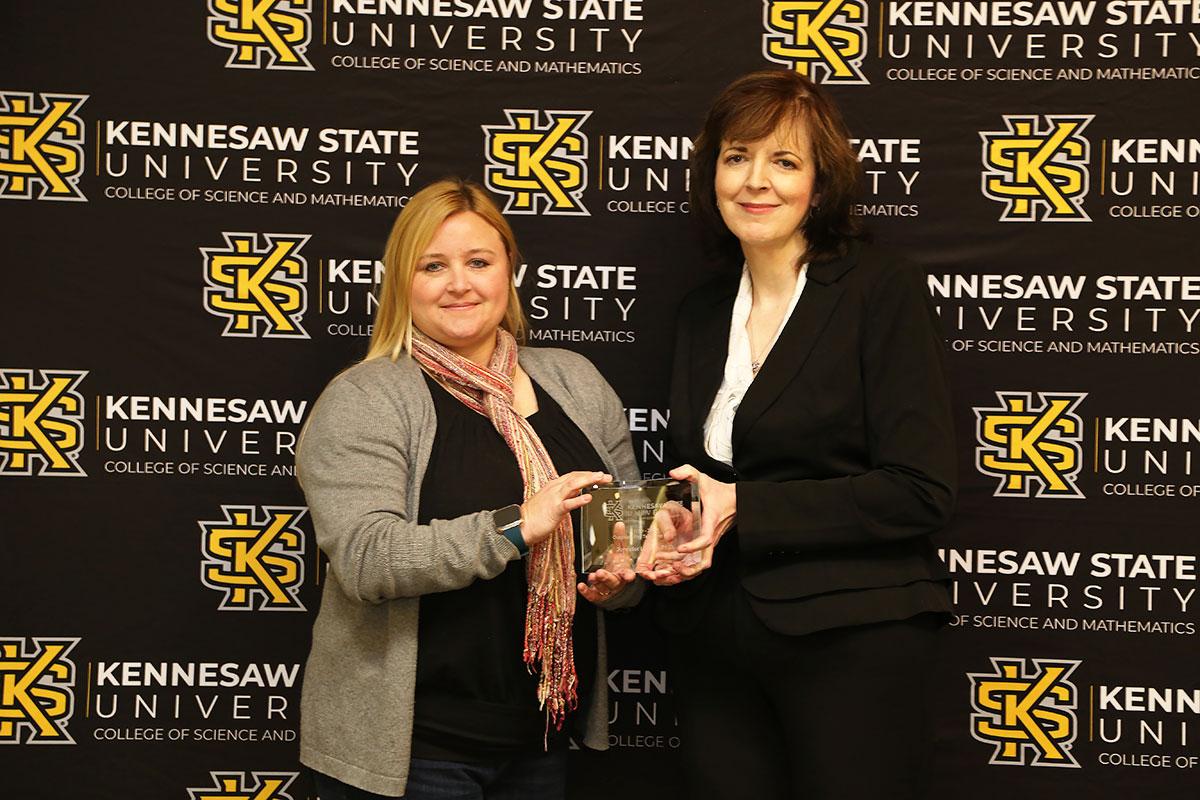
<point>479,263</point>
<point>432,266</point>
<point>787,163</point>
<point>734,158</point>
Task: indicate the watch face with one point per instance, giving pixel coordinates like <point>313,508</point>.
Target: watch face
<point>507,516</point>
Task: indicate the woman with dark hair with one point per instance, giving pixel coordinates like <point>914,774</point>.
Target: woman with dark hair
<point>450,657</point>
<point>808,397</point>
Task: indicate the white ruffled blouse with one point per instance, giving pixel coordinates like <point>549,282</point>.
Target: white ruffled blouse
<point>739,370</point>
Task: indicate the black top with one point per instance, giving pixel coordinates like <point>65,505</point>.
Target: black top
<point>475,699</point>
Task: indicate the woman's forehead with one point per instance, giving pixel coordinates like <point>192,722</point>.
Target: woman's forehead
<point>789,134</point>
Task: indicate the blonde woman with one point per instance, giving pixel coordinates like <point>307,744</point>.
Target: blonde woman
<point>450,658</point>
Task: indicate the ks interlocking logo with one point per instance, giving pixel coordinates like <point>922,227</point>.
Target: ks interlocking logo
<point>262,34</point>
<point>255,557</point>
<point>1025,443</point>
<point>37,690</point>
<point>41,145</point>
<point>237,786</point>
<point>1026,712</point>
<point>41,422</point>
<point>1038,164</point>
<point>258,289</point>
<point>823,40</point>
<point>540,167</point>
<point>612,509</point>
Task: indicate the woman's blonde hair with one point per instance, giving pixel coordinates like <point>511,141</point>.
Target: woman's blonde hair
<point>412,232</point>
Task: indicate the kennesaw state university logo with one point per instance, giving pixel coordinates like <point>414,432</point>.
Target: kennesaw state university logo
<point>1027,713</point>
<point>541,167</point>
<point>37,690</point>
<point>41,422</point>
<point>612,509</point>
<point>823,40</point>
<point>1025,443</point>
<point>259,289</point>
<point>41,145</point>
<point>255,557</point>
<point>237,786</point>
<point>262,34</point>
<point>1038,164</point>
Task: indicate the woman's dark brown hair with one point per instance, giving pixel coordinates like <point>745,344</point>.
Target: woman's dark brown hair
<point>755,106</point>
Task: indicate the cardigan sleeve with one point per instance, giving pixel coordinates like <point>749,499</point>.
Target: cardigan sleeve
<point>354,464</point>
<point>910,488</point>
<point>617,440</point>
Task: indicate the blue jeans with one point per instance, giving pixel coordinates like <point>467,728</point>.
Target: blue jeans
<point>542,776</point>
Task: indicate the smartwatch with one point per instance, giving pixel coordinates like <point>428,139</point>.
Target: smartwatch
<point>508,524</point>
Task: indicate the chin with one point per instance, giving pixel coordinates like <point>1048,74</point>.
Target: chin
<point>758,238</point>
<point>463,340</point>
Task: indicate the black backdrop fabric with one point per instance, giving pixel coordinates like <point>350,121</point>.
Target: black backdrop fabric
<point>195,197</point>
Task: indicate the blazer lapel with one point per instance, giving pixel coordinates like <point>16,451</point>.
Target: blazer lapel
<point>816,305</point>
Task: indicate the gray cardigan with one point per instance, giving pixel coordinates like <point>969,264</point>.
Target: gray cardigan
<point>360,462</point>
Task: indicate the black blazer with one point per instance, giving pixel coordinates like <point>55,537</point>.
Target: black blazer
<point>843,449</point>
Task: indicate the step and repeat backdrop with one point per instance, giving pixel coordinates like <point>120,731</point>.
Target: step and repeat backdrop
<point>194,198</point>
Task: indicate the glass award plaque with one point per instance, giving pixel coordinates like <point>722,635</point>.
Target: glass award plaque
<point>626,516</point>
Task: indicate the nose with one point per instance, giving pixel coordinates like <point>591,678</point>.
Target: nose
<point>757,178</point>
<point>458,282</point>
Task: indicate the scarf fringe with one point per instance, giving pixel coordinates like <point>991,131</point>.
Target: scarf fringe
<point>549,617</point>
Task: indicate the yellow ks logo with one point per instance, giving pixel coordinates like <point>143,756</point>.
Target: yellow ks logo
<point>41,144</point>
<point>1026,712</point>
<point>37,690</point>
<point>823,40</point>
<point>270,34</point>
<point>41,422</point>
<point>250,556</point>
<point>1023,443</point>
<point>1031,167</point>
<point>259,290</point>
<point>538,165</point>
<point>236,786</point>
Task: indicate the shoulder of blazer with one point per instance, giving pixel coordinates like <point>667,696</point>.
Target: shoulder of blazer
<point>833,270</point>
<point>867,263</point>
<point>713,290</point>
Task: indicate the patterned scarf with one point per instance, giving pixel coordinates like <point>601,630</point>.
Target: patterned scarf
<point>550,572</point>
